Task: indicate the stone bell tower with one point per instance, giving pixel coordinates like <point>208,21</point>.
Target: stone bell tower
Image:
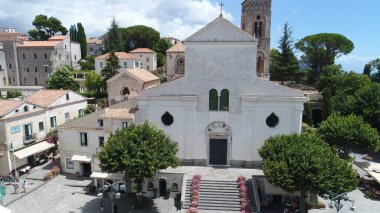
<point>256,20</point>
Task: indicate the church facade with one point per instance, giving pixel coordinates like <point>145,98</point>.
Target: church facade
<point>220,112</point>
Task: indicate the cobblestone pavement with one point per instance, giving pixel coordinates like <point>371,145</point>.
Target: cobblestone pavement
<point>67,194</point>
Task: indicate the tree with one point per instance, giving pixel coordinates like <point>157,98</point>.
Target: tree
<point>112,41</point>
<point>347,132</point>
<point>285,64</point>
<point>160,48</point>
<point>46,27</point>
<point>112,66</point>
<point>62,78</point>
<point>370,67</point>
<point>73,33</point>
<point>88,63</point>
<point>305,163</point>
<point>140,151</point>
<point>308,114</point>
<point>321,50</point>
<point>82,40</point>
<point>93,81</point>
<point>139,36</point>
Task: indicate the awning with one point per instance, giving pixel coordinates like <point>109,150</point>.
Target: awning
<point>4,210</point>
<point>31,150</point>
<point>81,158</point>
<point>111,176</point>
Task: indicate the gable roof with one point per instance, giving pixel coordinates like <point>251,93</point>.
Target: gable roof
<point>44,98</point>
<point>140,74</point>
<point>142,50</point>
<point>119,55</point>
<point>7,106</point>
<point>39,44</point>
<point>58,38</point>
<point>179,47</point>
<point>94,41</point>
<point>221,30</point>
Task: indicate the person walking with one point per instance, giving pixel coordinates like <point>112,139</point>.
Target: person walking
<point>15,185</point>
<point>25,186</point>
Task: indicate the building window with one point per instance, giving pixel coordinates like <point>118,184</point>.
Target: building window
<point>26,108</point>
<point>23,56</point>
<point>45,55</point>
<point>150,186</point>
<point>41,126</point>
<point>91,49</point>
<point>224,100</point>
<point>213,100</point>
<point>175,187</point>
<point>80,112</point>
<point>125,91</point>
<point>27,69</point>
<point>65,46</point>
<point>101,64</point>
<point>35,81</point>
<point>100,122</point>
<point>83,139</point>
<point>75,57</point>
<point>46,69</point>
<point>272,120</point>
<point>35,69</point>
<point>28,132</point>
<point>53,121</point>
<point>167,119</point>
<point>125,65</point>
<point>69,163</point>
<point>147,67</point>
<point>67,116</point>
<point>15,129</point>
<point>59,56</point>
<point>10,66</point>
<point>67,97</point>
<point>137,64</point>
<point>35,56</point>
<point>147,59</point>
<point>67,57</point>
<point>101,141</point>
<point>124,125</point>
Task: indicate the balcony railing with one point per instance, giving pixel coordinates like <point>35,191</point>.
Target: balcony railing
<point>30,138</point>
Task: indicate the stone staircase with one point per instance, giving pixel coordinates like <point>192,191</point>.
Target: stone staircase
<point>216,195</point>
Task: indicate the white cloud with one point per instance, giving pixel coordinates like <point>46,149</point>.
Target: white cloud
<point>354,62</point>
<point>170,17</point>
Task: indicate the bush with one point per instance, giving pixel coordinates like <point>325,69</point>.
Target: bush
<point>93,94</point>
<point>13,94</point>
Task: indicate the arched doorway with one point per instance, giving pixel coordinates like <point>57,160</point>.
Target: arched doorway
<point>218,142</point>
<point>162,186</point>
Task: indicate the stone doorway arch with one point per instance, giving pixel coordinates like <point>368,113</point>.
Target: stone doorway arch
<point>218,143</point>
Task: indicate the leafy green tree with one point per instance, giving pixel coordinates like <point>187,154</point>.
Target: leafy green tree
<point>88,63</point>
<point>305,163</point>
<point>140,151</point>
<point>370,67</point>
<point>112,41</point>
<point>13,94</point>
<point>139,36</point>
<point>62,78</point>
<point>73,31</point>
<point>82,40</point>
<point>112,66</point>
<point>285,64</point>
<point>160,48</point>
<point>46,27</point>
<point>321,50</point>
<point>93,81</point>
<point>347,132</point>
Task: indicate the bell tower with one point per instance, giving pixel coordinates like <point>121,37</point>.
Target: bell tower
<point>256,19</point>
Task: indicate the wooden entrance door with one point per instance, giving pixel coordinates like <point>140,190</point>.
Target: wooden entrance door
<point>86,169</point>
<point>218,151</point>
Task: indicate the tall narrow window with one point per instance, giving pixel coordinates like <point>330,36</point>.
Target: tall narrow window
<point>125,64</point>
<point>224,100</point>
<point>23,56</point>
<point>35,56</point>
<point>36,81</point>
<point>53,121</point>
<point>83,139</point>
<point>101,141</point>
<point>213,100</point>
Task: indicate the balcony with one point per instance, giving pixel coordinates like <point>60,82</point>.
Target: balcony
<point>28,139</point>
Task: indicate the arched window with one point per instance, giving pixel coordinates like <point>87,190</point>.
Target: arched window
<point>213,100</point>
<point>272,120</point>
<point>26,108</point>
<point>125,91</point>
<point>224,100</point>
<point>167,119</point>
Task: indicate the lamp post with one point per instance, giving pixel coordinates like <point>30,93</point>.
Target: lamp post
<point>337,198</point>
<point>113,191</point>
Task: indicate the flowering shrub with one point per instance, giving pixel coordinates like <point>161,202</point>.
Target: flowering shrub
<point>243,193</point>
<point>52,173</point>
<point>194,198</point>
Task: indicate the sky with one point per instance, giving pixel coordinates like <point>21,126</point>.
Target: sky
<point>355,19</point>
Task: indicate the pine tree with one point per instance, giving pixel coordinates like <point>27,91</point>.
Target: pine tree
<point>112,66</point>
<point>82,40</point>
<point>113,40</point>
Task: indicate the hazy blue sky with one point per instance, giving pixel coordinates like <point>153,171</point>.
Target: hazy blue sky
<point>358,20</point>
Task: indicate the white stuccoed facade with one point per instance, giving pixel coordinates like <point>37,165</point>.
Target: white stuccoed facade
<point>221,56</point>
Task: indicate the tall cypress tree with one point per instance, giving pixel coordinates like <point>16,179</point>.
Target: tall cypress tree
<point>82,40</point>
<point>113,40</point>
<point>73,33</point>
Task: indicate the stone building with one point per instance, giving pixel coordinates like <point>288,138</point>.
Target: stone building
<point>95,46</point>
<point>147,57</point>
<point>256,19</point>
<point>126,61</point>
<point>3,69</point>
<point>175,61</point>
<point>30,63</point>
<point>129,83</point>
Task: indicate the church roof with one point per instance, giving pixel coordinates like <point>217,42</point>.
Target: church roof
<point>179,47</point>
<point>221,30</point>
<point>140,74</point>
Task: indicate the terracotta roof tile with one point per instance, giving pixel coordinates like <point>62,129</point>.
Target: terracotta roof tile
<point>8,105</point>
<point>39,44</point>
<point>120,55</point>
<point>94,40</point>
<point>141,74</point>
<point>58,38</point>
<point>117,113</point>
<point>179,47</point>
<point>142,50</point>
<point>44,98</point>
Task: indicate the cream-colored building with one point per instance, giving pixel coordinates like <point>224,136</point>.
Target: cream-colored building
<point>25,123</point>
<point>129,83</point>
<point>147,57</point>
<point>126,61</point>
<point>175,61</point>
<point>95,46</point>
